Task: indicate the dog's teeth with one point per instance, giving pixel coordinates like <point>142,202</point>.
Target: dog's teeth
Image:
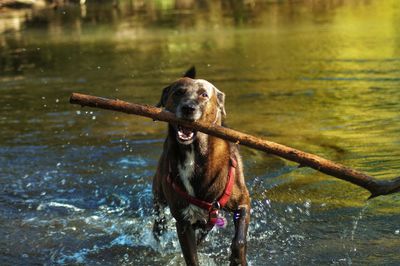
<point>185,134</point>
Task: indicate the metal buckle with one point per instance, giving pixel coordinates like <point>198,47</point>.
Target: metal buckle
<point>216,205</point>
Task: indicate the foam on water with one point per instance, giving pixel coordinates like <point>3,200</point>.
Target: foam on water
<point>70,207</point>
<point>132,234</point>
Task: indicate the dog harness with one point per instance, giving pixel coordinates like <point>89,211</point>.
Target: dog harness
<point>211,207</point>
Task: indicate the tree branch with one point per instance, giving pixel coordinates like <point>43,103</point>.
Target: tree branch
<point>373,185</point>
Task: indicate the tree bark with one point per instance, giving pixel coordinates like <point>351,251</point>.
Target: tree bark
<point>374,186</point>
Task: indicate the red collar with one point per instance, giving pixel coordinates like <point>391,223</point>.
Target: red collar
<point>211,207</point>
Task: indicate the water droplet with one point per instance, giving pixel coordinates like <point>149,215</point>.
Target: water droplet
<point>397,232</point>
<point>78,112</point>
<point>57,100</point>
<point>94,117</point>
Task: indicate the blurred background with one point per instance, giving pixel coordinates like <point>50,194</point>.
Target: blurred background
<point>322,76</point>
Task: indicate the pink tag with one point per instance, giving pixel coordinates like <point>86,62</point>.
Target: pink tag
<point>221,222</point>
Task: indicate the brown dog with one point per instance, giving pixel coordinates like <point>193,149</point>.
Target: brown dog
<point>198,174</point>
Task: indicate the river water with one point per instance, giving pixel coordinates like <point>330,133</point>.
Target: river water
<point>320,76</point>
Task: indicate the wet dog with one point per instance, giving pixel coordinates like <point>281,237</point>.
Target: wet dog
<point>197,174</point>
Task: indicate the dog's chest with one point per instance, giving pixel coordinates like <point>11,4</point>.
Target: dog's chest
<point>186,172</point>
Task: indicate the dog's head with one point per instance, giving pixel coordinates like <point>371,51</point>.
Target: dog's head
<point>193,100</point>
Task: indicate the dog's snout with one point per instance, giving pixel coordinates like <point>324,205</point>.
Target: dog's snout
<point>188,109</point>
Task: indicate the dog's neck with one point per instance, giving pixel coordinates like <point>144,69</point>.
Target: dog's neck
<point>199,162</point>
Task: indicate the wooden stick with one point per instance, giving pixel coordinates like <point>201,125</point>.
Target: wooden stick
<point>373,185</point>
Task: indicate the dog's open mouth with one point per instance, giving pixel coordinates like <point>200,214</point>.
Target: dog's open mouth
<point>185,135</point>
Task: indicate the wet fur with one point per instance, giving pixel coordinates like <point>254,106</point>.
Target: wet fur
<point>201,168</point>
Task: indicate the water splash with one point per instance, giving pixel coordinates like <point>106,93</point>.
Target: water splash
<point>357,220</point>
<point>353,246</point>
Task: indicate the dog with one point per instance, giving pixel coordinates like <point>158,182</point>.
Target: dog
<point>197,174</point>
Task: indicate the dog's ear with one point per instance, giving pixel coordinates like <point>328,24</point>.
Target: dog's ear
<point>190,73</point>
<point>221,101</point>
<point>164,97</point>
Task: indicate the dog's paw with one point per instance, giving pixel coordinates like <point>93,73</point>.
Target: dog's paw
<point>159,228</point>
<point>201,236</point>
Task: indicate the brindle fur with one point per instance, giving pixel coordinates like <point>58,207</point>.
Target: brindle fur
<point>211,166</point>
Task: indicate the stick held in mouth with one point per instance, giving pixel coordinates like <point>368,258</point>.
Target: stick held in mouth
<point>375,186</point>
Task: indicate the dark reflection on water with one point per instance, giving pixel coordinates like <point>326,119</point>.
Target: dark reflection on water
<point>322,76</point>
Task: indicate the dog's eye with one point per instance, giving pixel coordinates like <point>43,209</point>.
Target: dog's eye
<point>180,92</point>
<point>204,95</point>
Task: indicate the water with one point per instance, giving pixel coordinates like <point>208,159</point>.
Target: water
<point>319,76</point>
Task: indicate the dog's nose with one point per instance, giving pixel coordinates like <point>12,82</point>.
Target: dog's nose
<point>188,109</point>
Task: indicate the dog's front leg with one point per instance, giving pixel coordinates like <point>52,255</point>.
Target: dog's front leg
<point>187,239</point>
<point>160,223</point>
<point>239,243</point>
